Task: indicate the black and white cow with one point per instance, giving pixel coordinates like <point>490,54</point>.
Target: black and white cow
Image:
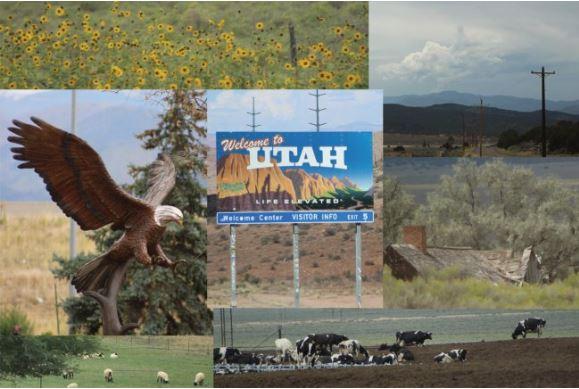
<point>405,355</point>
<point>352,346</point>
<point>532,324</point>
<point>306,350</point>
<point>407,338</point>
<point>442,358</point>
<point>458,354</point>
<point>346,359</point>
<point>244,359</point>
<point>325,342</point>
<point>390,359</point>
<point>223,354</point>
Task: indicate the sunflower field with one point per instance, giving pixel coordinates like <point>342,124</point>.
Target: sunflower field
<point>150,45</point>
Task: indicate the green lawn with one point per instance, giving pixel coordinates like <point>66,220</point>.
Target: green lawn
<point>136,366</point>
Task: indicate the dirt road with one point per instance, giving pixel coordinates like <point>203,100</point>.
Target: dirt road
<point>524,363</point>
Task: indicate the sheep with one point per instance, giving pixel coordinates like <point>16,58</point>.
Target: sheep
<point>68,374</point>
<point>85,356</point>
<point>72,385</point>
<point>286,349</point>
<point>108,373</point>
<point>114,356</point>
<point>199,378</point>
<point>163,377</point>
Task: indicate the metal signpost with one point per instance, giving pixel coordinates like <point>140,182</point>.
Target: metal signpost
<point>342,160</point>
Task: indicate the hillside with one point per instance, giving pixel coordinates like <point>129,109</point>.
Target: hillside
<point>497,101</point>
<point>447,119</point>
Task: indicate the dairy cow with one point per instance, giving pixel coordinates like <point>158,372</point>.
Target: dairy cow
<point>532,324</point>
<point>223,354</point>
<point>458,354</point>
<point>407,338</point>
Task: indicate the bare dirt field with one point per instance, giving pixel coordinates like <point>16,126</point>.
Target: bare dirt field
<point>524,363</point>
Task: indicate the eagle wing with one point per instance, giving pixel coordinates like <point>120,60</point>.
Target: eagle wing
<point>161,180</point>
<point>74,174</point>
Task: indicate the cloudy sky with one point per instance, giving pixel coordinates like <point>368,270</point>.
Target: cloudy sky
<point>288,110</point>
<point>482,48</point>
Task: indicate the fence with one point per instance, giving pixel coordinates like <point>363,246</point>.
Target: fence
<point>185,344</point>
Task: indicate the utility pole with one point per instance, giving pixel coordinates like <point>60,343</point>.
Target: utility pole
<point>543,74</point>
<point>482,126</point>
<point>72,240</point>
<point>317,110</point>
<point>253,115</point>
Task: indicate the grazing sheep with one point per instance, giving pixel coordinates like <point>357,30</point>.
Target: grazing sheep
<point>199,378</point>
<point>85,356</point>
<point>163,377</point>
<point>108,373</point>
<point>114,356</point>
<point>72,385</point>
<point>68,374</point>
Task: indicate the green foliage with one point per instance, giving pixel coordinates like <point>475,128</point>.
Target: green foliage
<point>449,288</point>
<point>562,137</point>
<point>162,301</point>
<point>399,208</point>
<point>508,138</point>
<point>24,356</point>
<point>9,320</point>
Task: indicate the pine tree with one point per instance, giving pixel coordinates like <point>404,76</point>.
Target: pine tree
<point>164,302</point>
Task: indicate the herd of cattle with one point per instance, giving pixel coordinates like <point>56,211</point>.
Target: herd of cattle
<point>318,350</point>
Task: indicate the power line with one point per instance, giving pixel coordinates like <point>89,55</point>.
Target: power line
<point>253,114</point>
<point>317,110</point>
<point>543,74</point>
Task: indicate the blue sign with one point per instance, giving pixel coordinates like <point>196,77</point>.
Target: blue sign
<point>300,171</point>
<point>288,217</point>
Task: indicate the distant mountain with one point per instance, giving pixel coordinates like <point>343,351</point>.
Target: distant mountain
<point>497,101</point>
<point>448,119</point>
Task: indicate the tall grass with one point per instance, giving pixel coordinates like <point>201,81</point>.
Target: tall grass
<point>449,288</point>
<point>29,237</point>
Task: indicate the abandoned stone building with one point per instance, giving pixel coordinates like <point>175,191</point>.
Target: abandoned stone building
<point>413,258</point>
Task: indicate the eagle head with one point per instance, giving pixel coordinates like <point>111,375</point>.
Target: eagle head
<point>165,214</point>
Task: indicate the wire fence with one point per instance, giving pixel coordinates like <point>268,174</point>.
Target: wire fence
<point>185,344</point>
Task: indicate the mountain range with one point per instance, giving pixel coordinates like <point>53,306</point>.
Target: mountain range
<point>240,188</point>
<point>511,103</point>
<point>448,118</point>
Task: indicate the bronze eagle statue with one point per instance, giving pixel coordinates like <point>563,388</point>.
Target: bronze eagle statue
<point>78,181</point>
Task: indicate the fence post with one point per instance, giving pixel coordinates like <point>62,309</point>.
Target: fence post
<point>358,265</point>
<point>296,264</point>
<point>232,257</point>
<point>293,46</point>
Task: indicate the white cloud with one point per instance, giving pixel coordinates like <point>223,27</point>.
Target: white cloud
<point>467,56</point>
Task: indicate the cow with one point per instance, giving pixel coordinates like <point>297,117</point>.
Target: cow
<point>346,359</point>
<point>532,324</point>
<point>353,347</point>
<point>407,338</point>
<point>68,374</point>
<point>326,341</point>
<point>286,350</point>
<point>222,354</point>
<point>390,359</point>
<point>405,355</point>
<point>442,358</point>
<point>244,359</point>
<point>458,354</point>
<point>306,350</point>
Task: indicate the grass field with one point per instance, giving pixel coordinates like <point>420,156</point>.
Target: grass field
<point>140,358</point>
<point>446,289</point>
<point>101,45</point>
<point>31,233</point>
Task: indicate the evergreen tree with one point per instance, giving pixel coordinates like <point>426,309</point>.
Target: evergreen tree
<point>162,301</point>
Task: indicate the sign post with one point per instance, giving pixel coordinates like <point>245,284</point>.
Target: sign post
<point>232,256</point>
<point>295,178</point>
<point>296,248</point>
<point>358,265</point>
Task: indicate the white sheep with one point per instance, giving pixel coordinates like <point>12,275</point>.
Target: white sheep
<point>108,373</point>
<point>199,378</point>
<point>163,377</point>
<point>114,356</point>
<point>72,385</point>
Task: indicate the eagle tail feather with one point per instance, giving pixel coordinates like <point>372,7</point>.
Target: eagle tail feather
<point>95,275</point>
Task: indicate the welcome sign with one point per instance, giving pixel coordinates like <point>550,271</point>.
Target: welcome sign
<point>294,177</point>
